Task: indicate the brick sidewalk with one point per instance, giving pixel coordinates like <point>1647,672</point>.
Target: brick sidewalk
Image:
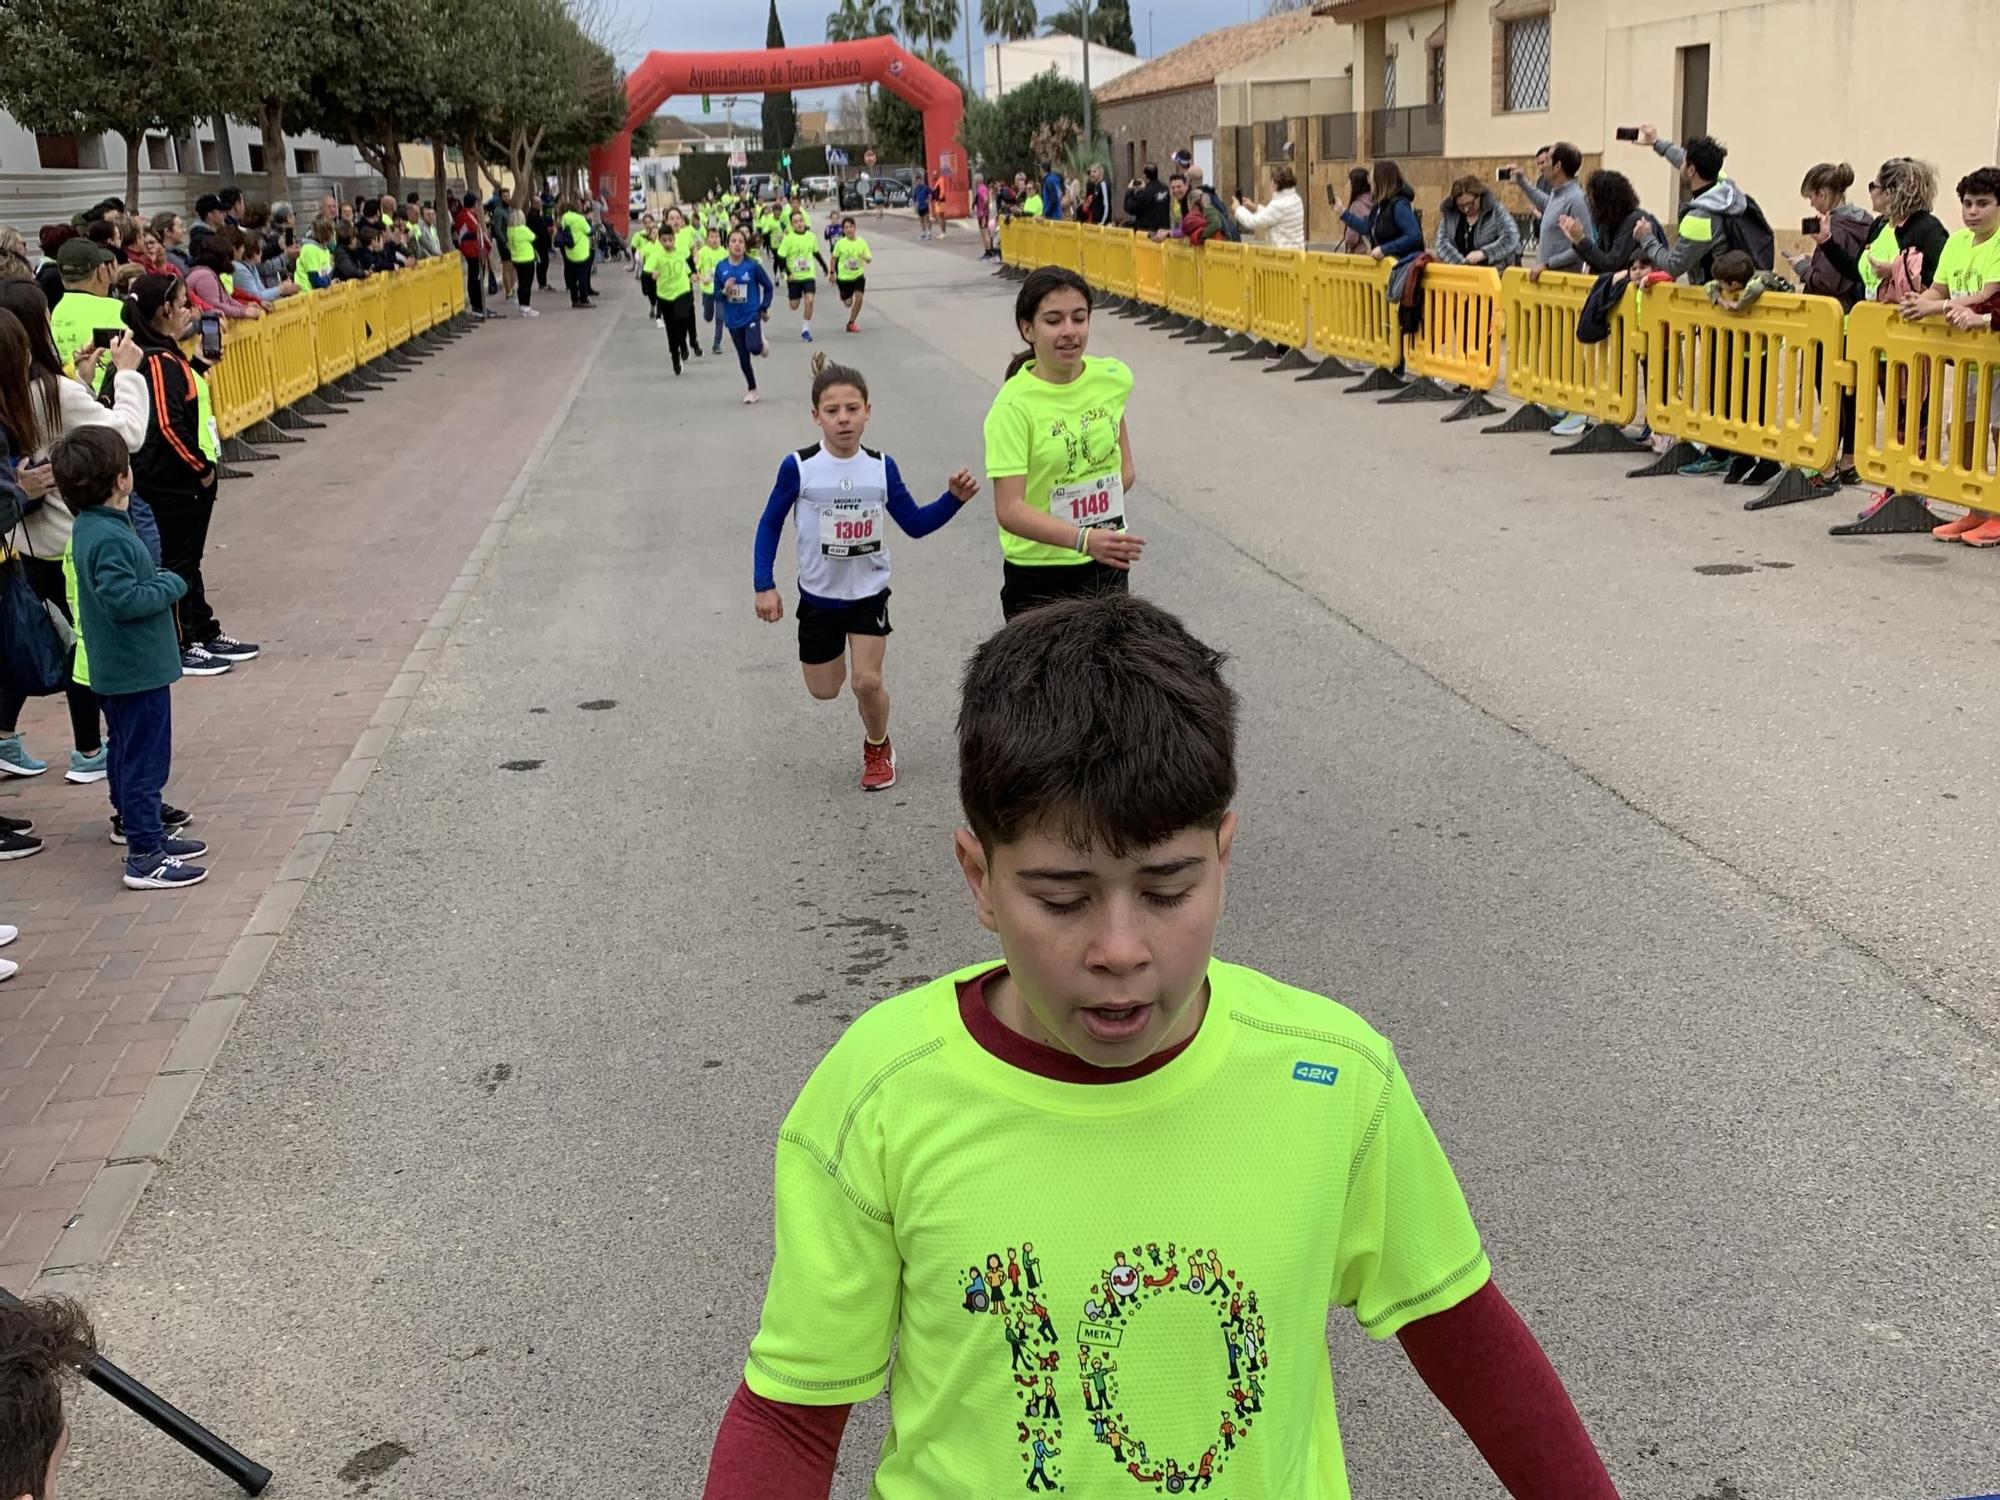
<point>333,558</point>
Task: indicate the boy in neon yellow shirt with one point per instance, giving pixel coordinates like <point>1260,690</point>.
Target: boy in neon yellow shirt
<point>1032,1176</point>
<point>799,253</point>
<point>706,259</point>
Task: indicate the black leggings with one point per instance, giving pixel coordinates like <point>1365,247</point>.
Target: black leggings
<point>475,285</point>
<point>678,314</point>
<point>45,577</point>
<point>573,280</point>
<point>524,282</point>
<point>740,337</point>
<point>1023,588</point>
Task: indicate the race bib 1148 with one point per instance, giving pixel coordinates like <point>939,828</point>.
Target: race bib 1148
<point>1090,503</point>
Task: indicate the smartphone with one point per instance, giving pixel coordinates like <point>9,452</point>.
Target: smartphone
<point>1331,200</point>
<point>104,338</point>
<point>211,335</point>
<point>1628,132</point>
<point>1809,224</point>
<point>1506,174</point>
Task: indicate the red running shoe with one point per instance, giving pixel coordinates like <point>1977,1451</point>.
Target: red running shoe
<point>878,766</point>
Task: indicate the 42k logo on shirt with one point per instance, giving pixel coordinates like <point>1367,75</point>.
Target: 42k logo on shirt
<point>1011,1293</point>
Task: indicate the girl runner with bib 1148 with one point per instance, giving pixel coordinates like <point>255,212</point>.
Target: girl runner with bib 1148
<point>1058,453</point>
<point>743,293</point>
<point>837,493</point>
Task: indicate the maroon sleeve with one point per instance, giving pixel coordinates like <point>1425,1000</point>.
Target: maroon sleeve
<point>773,1450</point>
<point>1482,1363</point>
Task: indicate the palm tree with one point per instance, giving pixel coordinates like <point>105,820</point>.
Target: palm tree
<point>857,20</point>
<point>1069,22</point>
<point>936,19</point>
<point>1007,21</point>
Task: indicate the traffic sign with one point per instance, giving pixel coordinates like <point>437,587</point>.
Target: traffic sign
<point>739,158</point>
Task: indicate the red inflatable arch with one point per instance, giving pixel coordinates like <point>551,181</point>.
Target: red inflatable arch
<point>663,75</point>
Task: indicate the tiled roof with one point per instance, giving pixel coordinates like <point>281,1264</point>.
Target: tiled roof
<point>1202,59</point>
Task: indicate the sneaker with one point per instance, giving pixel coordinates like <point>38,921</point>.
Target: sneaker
<point>8,968</point>
<point>1739,469</point>
<point>199,661</point>
<point>18,845</point>
<point>1763,471</point>
<point>1954,531</point>
<point>84,769</point>
<point>1573,425</point>
<point>172,820</point>
<point>531,312</point>
<point>1988,534</point>
<point>805,335</point>
<point>749,398</point>
<point>16,825</point>
<point>15,760</point>
<point>1819,486</point>
<point>853,328</point>
<point>1708,463</point>
<point>175,848</point>
<point>8,934</point>
<point>161,873</point>
<point>878,766</point>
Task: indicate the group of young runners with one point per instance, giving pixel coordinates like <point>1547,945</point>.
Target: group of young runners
<point>1183,1317</point>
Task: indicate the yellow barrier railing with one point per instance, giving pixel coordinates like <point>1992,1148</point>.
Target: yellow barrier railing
<point>333,331</point>
<point>1092,238</point>
<point>1278,295</point>
<point>450,288</point>
<point>1546,364</point>
<point>1225,286</point>
<point>396,297</point>
<point>1065,244</point>
<point>1925,406</point>
<point>1766,382</point>
<point>1014,238</point>
<point>1348,298</point>
<point>371,317</point>
<point>423,296</point>
<point>1459,338</point>
<point>294,371</point>
<point>1118,273</point>
<point>239,384</point>
<point>1183,263</point>
<point>1149,271</point>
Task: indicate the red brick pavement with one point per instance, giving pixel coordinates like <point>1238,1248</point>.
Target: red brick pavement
<point>334,559</point>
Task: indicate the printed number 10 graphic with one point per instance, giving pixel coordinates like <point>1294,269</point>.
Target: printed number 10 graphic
<point>1012,1293</point>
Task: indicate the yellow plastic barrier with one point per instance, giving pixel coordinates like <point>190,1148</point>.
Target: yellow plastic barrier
<point>294,372</point>
<point>1064,245</point>
<point>396,307</point>
<point>1225,286</point>
<point>1766,381</point>
<point>1348,297</point>
<point>1183,264</point>
<point>423,295</point>
<point>1546,364</point>
<point>1926,406</point>
<point>1092,239</point>
<point>1017,244</point>
<point>1459,339</point>
<point>1118,273</point>
<point>371,318</point>
<point>450,288</point>
<point>1149,271</point>
<point>239,384</point>
<point>333,331</point>
<point>1277,295</point>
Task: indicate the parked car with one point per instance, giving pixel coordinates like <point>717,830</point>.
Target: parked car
<point>892,193</point>
<point>819,187</point>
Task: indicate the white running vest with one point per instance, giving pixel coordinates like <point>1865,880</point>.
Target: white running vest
<point>842,520</point>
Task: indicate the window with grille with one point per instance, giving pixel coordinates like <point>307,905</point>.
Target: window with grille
<point>1437,75</point>
<point>1389,80</point>
<point>1526,44</point>
<point>1274,141</point>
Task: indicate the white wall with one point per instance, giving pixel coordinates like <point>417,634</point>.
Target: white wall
<point>1009,65</point>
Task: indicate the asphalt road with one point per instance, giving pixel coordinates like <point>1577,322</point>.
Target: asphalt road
<point>1649,872</point>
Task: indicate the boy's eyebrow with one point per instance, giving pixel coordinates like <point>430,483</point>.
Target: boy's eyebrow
<point>1164,867</point>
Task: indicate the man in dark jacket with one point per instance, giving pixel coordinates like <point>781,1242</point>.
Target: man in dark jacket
<point>1713,199</point>
<point>1148,204</point>
<point>1095,205</point>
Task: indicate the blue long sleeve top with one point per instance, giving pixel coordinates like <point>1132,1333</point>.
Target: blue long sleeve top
<point>916,520</point>
<point>741,309</point>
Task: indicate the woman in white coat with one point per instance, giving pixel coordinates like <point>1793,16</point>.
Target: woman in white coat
<point>1282,221</point>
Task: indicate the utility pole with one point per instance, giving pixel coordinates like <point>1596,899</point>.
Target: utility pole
<point>968,50</point>
<point>1089,128</point>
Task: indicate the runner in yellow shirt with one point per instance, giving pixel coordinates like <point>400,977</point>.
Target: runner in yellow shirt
<point>799,253</point>
<point>850,270</point>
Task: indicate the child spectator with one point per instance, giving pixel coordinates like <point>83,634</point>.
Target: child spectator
<point>44,1343</point>
<point>1735,285</point>
<point>125,610</point>
<point>1097,766</point>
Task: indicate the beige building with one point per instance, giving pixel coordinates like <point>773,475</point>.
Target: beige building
<point>1008,65</point>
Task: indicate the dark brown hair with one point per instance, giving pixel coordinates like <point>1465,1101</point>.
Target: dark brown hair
<point>43,1342</point>
<point>1101,721</point>
<point>1042,283</point>
<point>1733,266</point>
<point>25,301</point>
<point>87,462</point>
<point>1837,178</point>
<point>18,413</point>
<point>1283,177</point>
<point>827,375</point>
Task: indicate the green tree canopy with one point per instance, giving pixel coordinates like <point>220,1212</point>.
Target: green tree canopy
<point>1032,122</point>
<point>781,115</point>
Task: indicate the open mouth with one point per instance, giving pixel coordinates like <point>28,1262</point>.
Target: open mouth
<point>1115,1023</point>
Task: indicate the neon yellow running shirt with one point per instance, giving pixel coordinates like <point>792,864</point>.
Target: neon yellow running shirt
<point>1105,1282</point>
<point>1058,436</point>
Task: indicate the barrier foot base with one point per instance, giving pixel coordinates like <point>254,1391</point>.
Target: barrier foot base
<point>1213,337</point>
<point>293,418</point>
<point>1330,369</point>
<point>1474,404</point>
<point>1528,417</point>
<point>1418,390</point>
<point>1109,304</point>
<point>1159,317</point>
<point>357,384</point>
<point>1178,326</point>
<point>1236,343</point>
<point>1294,359</point>
<point>1679,452</point>
<point>333,398</point>
<point>1789,488</point>
<point>223,471</point>
<point>1260,349</point>
<point>1603,438</point>
<point>1896,514</point>
<point>269,432</point>
<point>1378,379</point>
<point>1134,309</point>
<point>1191,331</point>
<point>236,451</point>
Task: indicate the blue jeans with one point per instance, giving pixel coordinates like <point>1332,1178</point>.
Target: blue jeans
<point>140,740</point>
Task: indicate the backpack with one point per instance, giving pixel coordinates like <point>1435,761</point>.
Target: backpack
<point>1221,220</point>
<point>1750,232</point>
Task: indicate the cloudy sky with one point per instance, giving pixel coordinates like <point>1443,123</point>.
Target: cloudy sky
<point>641,26</point>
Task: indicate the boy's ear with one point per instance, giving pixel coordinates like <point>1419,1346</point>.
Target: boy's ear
<point>978,876</point>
